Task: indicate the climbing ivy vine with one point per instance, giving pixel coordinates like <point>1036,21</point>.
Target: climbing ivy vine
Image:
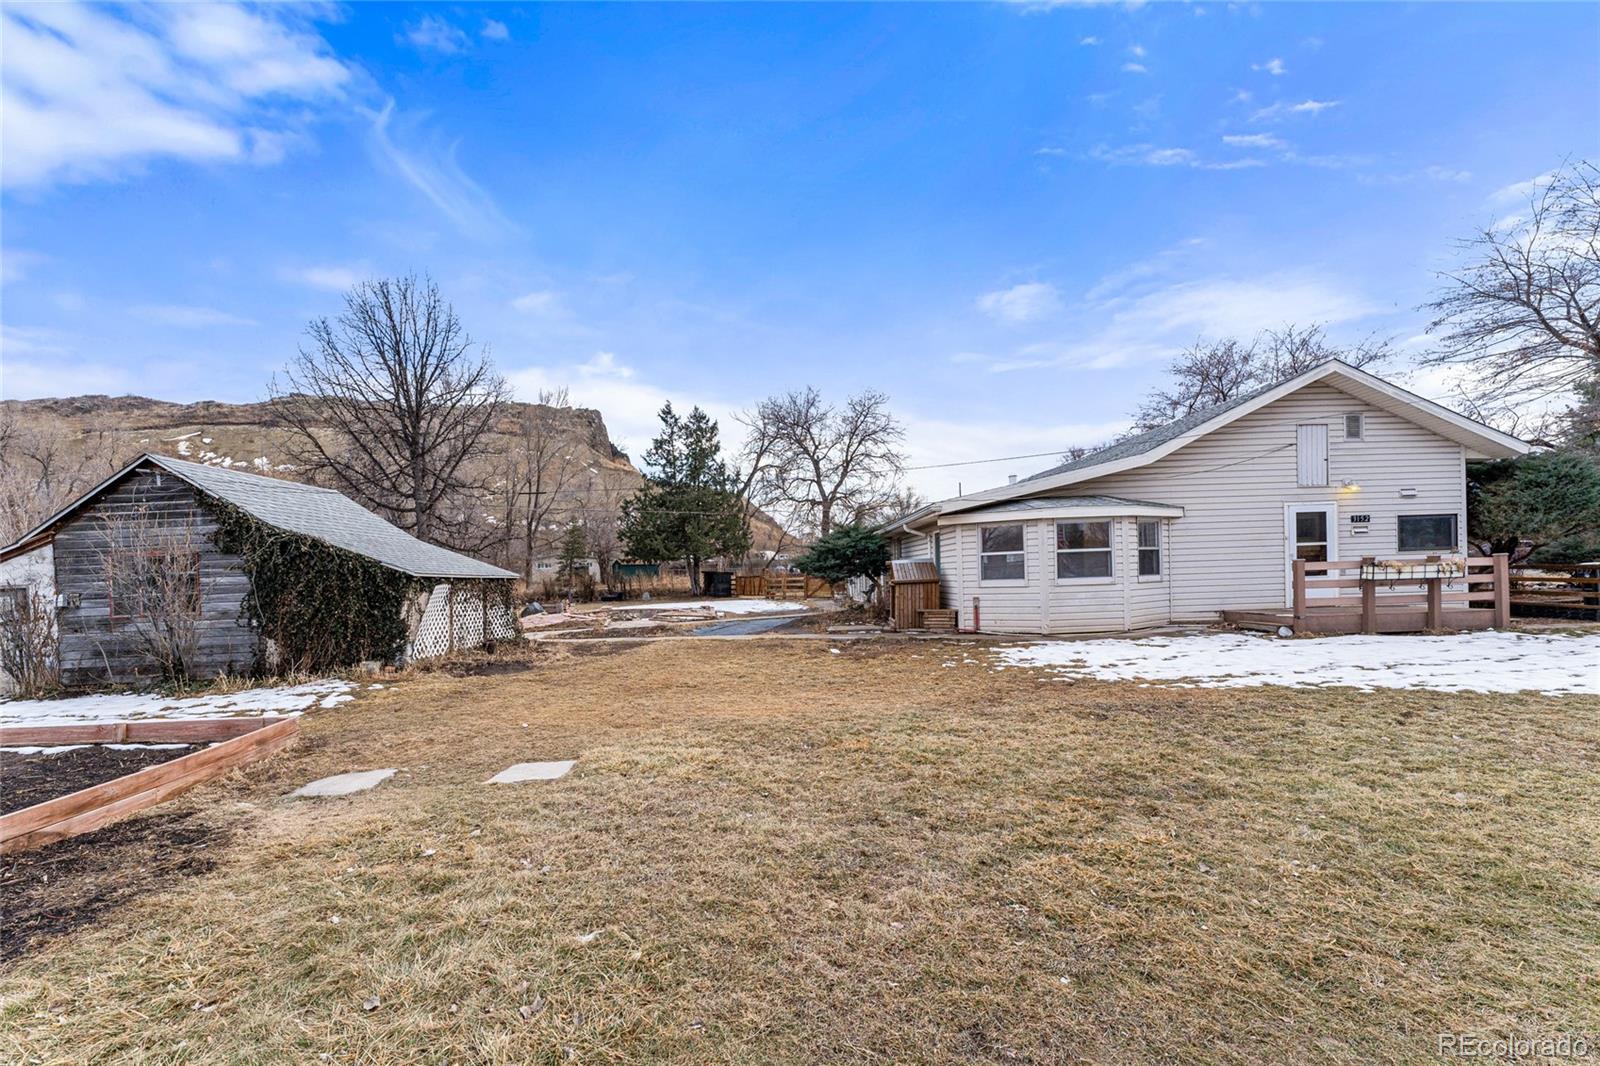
<point>323,607</point>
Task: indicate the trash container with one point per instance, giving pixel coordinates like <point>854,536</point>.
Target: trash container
<point>717,583</point>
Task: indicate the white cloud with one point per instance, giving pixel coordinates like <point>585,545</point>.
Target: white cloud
<point>540,302</point>
<point>1021,303</point>
<point>1150,155</point>
<point>186,317</point>
<point>494,31</point>
<point>1284,109</point>
<point>1134,68</point>
<point>1051,151</point>
<point>1088,41</point>
<point>17,263</point>
<point>430,166</point>
<point>94,93</point>
<point>333,278</point>
<point>1242,96</point>
<point>434,34</point>
<point>1273,66</point>
<point>1133,316</point>
<point>1518,193</point>
<point>629,404</point>
<point>1136,50</point>
<point>1252,140</point>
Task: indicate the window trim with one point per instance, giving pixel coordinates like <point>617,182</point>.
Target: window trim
<point>1109,551</point>
<point>1455,533</point>
<point>1140,549</point>
<point>1022,527</point>
<point>1361,426</point>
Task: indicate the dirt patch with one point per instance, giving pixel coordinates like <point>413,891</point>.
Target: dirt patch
<point>29,779</point>
<point>60,887</point>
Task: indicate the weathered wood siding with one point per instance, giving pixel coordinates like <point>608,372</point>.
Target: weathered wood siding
<point>95,648</point>
<point>1228,550</point>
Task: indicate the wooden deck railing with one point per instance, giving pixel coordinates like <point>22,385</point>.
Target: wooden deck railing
<point>1478,598</point>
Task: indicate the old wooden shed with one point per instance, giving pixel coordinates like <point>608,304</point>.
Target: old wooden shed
<point>148,535</point>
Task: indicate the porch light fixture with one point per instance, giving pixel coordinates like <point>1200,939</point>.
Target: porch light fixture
<point>1350,483</point>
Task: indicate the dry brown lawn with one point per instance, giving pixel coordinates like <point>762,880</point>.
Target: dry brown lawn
<point>787,855</point>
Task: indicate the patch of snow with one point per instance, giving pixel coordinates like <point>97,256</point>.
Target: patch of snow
<point>123,707</point>
<point>729,606</point>
<point>1465,662</point>
<point>55,750</point>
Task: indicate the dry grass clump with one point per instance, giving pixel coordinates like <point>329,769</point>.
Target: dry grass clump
<point>769,852</point>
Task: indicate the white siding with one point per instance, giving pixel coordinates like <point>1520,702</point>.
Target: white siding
<point>915,546</point>
<point>1228,549</point>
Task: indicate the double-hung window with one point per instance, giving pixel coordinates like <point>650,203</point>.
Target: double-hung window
<point>1150,549</point>
<point>1000,553</point>
<point>1083,549</point>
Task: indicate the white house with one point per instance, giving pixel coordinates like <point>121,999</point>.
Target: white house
<point>1207,514</point>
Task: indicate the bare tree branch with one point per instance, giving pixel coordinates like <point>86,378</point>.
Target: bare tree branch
<point>1523,312</point>
<point>390,402</point>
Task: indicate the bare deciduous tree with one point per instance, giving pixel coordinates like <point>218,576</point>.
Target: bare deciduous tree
<point>28,641</point>
<point>390,402</point>
<point>822,466</point>
<point>43,467</point>
<point>541,467</point>
<point>1209,373</point>
<point>1524,311</point>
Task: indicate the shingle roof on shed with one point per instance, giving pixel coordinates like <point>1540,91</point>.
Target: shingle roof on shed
<point>324,514</point>
<point>328,516</point>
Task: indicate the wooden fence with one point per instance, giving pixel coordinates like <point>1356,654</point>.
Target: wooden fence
<point>1556,590</point>
<point>776,586</point>
<point>90,808</point>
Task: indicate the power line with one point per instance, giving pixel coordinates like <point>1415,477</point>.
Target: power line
<point>980,462</point>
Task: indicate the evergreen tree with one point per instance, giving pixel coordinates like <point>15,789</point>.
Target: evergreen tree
<point>847,552</point>
<point>689,507</point>
<point>1518,506</point>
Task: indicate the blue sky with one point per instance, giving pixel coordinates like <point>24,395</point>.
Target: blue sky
<point>1006,216</point>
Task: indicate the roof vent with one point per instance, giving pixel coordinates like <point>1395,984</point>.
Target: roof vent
<point>1011,479</point>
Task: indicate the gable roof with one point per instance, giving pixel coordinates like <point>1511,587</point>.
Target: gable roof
<point>1481,441</point>
<point>322,514</point>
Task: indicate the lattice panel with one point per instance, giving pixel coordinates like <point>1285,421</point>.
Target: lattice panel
<point>454,618</point>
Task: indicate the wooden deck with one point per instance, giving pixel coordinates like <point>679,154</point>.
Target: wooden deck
<point>1351,603</point>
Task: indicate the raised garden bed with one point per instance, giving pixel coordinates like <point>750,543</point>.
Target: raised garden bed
<point>106,801</point>
<point>27,779</point>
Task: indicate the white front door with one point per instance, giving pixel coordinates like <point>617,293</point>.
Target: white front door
<point>1311,532</point>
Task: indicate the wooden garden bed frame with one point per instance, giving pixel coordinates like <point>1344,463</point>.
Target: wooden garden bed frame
<point>242,741</point>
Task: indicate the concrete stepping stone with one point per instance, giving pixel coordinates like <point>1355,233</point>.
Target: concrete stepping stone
<point>344,784</point>
<point>531,771</point>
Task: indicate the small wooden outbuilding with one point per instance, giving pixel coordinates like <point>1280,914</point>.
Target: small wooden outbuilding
<point>913,589</point>
<point>142,565</point>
